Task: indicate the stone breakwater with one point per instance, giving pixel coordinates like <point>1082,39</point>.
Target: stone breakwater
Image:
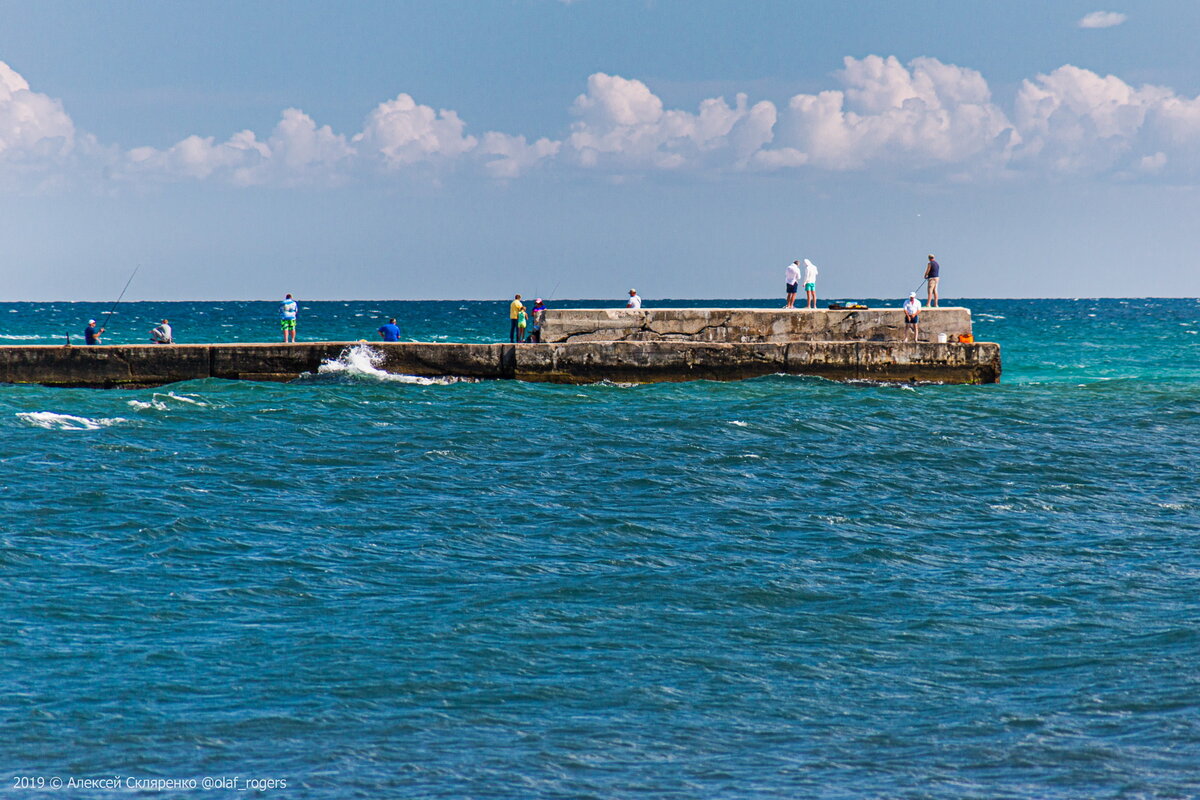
<point>133,366</point>
<point>747,325</point>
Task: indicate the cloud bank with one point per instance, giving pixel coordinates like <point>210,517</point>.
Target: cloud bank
<point>924,119</point>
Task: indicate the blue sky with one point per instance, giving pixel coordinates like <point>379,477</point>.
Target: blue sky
<point>469,148</point>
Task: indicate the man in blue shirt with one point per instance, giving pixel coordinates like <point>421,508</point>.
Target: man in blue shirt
<point>932,273</point>
<point>391,331</point>
<point>90,334</point>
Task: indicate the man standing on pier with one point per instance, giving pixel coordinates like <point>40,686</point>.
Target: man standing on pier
<point>810,283</point>
<point>391,331</point>
<point>792,276</point>
<point>634,300</point>
<point>287,318</point>
<point>932,273</point>
<point>514,310</point>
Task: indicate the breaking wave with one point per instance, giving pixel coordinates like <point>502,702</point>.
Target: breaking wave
<point>363,361</point>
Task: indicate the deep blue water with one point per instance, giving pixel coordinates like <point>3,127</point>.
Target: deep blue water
<point>776,588</point>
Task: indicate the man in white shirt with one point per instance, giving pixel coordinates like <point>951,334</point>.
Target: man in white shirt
<point>792,276</point>
<point>810,283</point>
<point>912,317</point>
<point>162,334</point>
<point>634,300</point>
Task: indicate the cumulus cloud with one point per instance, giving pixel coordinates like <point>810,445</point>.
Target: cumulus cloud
<point>33,127</point>
<point>622,124</point>
<point>403,132</point>
<point>922,118</point>
<point>1102,19</point>
<point>927,113</point>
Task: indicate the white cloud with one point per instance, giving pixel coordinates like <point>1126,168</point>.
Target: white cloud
<point>402,132</point>
<point>512,156</point>
<point>928,113</point>
<point>33,127</point>
<point>1102,19</point>
<point>621,124</point>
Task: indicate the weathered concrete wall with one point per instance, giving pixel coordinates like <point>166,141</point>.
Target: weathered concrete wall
<point>747,325</point>
<point>583,362</point>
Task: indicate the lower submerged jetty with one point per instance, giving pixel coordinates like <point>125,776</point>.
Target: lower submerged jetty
<point>637,347</point>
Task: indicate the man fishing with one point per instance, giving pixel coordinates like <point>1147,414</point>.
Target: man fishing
<point>91,334</point>
<point>933,273</point>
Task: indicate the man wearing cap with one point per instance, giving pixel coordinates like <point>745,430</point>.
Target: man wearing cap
<point>932,273</point>
<point>634,300</point>
<point>912,317</point>
<point>90,334</point>
<point>538,318</point>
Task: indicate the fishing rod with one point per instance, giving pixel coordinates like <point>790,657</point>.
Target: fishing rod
<point>120,297</point>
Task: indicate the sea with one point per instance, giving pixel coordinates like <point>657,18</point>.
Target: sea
<point>358,585</point>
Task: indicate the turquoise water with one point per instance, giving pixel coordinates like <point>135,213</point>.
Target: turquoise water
<point>782,587</point>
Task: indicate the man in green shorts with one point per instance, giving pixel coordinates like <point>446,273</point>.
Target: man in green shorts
<point>287,318</point>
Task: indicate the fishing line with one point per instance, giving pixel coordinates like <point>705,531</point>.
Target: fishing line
<point>120,297</point>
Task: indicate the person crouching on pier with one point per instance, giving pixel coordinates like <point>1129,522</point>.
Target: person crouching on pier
<point>162,333</point>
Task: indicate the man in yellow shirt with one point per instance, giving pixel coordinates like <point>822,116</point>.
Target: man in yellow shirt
<point>514,310</point>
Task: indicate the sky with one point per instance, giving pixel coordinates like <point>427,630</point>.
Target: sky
<point>689,148</point>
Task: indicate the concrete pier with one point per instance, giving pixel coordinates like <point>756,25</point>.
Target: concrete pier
<point>134,366</point>
<point>747,325</point>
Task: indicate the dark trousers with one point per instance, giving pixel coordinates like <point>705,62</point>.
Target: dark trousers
<point>512,331</point>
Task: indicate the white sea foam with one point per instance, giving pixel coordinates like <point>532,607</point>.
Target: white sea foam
<point>66,422</point>
<point>160,401</point>
<point>738,423</point>
<point>17,337</point>
<point>362,361</point>
<point>141,405</point>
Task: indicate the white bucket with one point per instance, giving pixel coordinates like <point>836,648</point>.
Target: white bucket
<point>941,338</point>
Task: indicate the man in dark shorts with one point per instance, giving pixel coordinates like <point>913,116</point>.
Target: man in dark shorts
<point>932,274</point>
<point>792,276</point>
<point>912,317</point>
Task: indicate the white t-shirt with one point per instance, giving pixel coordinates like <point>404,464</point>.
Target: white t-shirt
<point>287,309</point>
<point>810,272</point>
<point>793,273</point>
<point>634,302</point>
<point>912,306</point>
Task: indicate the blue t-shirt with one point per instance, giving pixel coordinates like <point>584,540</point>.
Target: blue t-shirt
<point>934,269</point>
<point>287,309</point>
<point>89,334</point>
<point>391,332</point>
